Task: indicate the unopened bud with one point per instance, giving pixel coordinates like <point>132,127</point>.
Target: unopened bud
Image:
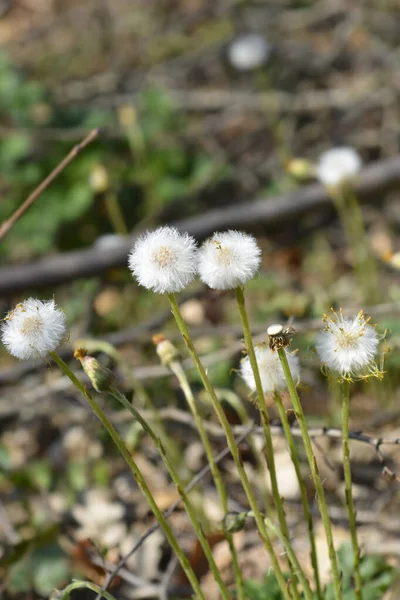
<point>300,168</point>
<point>233,522</point>
<point>165,350</point>
<point>99,181</point>
<point>101,377</point>
<point>127,115</point>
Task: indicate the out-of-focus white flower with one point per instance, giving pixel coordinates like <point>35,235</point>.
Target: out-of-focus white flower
<point>347,345</point>
<point>270,368</point>
<point>33,329</point>
<point>338,166</point>
<point>248,52</point>
<point>164,260</point>
<point>229,259</point>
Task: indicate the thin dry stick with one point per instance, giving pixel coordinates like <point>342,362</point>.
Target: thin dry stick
<point>9,223</point>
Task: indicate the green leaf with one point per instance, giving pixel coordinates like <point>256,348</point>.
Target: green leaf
<point>50,569</point>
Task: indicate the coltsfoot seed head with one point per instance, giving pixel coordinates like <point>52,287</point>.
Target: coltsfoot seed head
<point>100,376</point>
<point>270,368</point>
<point>33,328</point>
<point>164,260</point>
<point>338,166</point>
<point>228,259</point>
<point>347,345</point>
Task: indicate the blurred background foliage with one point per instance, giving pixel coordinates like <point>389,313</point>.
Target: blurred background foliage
<point>184,130</point>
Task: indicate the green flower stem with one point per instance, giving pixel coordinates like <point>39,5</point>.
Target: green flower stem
<point>269,449</point>
<point>293,559</point>
<point>303,491</point>
<point>232,445</point>
<point>348,484</point>
<point>314,471</point>
<point>191,512</point>
<point>262,469</point>
<point>352,220</point>
<point>139,390</point>
<point>184,561</point>
<point>180,374</point>
<point>76,585</point>
<point>115,213</point>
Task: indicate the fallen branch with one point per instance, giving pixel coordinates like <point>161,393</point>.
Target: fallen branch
<point>9,223</point>
<point>374,181</point>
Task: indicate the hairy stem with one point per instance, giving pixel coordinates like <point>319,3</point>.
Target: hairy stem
<point>323,507</point>
<point>348,485</point>
<point>269,449</point>
<point>232,445</point>
<point>184,561</point>
<point>293,559</point>
<point>180,486</point>
<point>180,374</point>
<point>76,585</point>
<point>303,491</point>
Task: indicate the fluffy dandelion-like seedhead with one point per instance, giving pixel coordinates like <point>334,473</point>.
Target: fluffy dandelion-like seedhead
<point>348,345</point>
<point>229,259</point>
<point>33,328</point>
<point>338,166</point>
<point>270,368</point>
<point>164,260</point>
<point>248,52</point>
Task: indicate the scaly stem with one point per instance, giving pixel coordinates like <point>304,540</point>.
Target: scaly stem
<point>314,471</point>
<point>269,449</point>
<point>232,445</point>
<point>180,486</point>
<point>293,559</point>
<point>76,585</point>
<point>303,491</point>
<point>348,484</point>
<point>180,374</point>
<point>184,561</point>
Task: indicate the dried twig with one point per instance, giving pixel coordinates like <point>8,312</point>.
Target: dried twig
<point>374,181</point>
<point>9,223</point>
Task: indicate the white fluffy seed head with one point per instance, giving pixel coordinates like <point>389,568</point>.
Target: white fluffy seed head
<point>33,329</point>
<point>338,166</point>
<point>228,259</point>
<point>248,52</point>
<point>164,260</point>
<point>347,345</point>
<point>270,368</point>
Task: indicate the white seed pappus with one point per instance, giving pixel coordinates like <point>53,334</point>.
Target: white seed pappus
<point>270,368</point>
<point>164,260</point>
<point>347,345</point>
<point>33,328</point>
<point>338,166</point>
<point>228,259</point>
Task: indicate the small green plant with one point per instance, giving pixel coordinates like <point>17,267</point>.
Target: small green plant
<point>377,577</point>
